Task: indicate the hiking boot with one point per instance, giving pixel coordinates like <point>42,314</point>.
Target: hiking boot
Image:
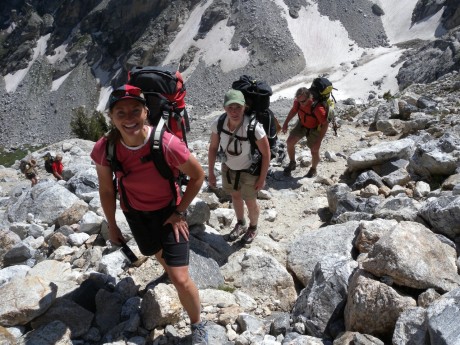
<point>237,231</point>
<point>311,173</point>
<point>291,166</point>
<point>250,235</point>
<point>199,334</point>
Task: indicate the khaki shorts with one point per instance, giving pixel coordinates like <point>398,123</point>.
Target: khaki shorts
<point>312,134</point>
<point>245,185</point>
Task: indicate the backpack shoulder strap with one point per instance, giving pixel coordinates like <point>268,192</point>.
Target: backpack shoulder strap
<point>156,149</point>
<point>157,156</point>
<point>220,123</point>
<point>323,103</point>
<point>252,132</point>
<point>111,156</point>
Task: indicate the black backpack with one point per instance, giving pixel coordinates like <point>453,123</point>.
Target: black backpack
<point>165,91</point>
<point>49,159</point>
<point>23,165</point>
<point>321,90</point>
<point>257,96</point>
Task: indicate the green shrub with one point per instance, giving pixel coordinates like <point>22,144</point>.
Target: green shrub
<point>226,288</point>
<point>387,95</point>
<point>88,127</point>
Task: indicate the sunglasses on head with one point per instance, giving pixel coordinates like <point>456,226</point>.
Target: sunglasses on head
<point>132,92</point>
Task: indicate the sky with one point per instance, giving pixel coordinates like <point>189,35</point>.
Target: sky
<point>355,82</point>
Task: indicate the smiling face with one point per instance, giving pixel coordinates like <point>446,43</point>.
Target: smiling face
<point>235,112</point>
<point>128,116</point>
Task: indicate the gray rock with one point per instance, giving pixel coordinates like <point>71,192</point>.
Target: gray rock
<point>77,318</point>
<point>323,300</point>
<point>308,249</point>
<point>443,215</point>
<point>24,299</point>
<point>443,325</point>
<point>380,153</point>
<point>399,208</point>
<point>425,263</point>
<point>366,298</point>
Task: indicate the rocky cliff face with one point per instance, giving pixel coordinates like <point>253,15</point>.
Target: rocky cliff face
<point>70,51</point>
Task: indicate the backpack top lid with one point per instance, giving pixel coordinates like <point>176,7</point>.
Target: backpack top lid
<point>321,88</point>
<point>158,80</point>
<point>256,92</point>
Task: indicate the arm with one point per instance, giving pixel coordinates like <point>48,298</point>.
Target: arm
<point>108,201</point>
<point>264,148</point>
<point>193,169</point>
<point>212,154</point>
<point>320,114</point>
<point>289,117</point>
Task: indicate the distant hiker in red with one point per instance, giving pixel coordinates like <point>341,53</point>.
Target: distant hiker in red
<point>58,167</point>
<point>312,125</point>
<point>152,205</point>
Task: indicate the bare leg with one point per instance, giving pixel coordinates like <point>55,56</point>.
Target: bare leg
<point>290,143</point>
<point>238,205</point>
<point>186,288</point>
<point>253,211</point>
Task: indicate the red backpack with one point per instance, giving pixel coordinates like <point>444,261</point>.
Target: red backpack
<point>165,92</point>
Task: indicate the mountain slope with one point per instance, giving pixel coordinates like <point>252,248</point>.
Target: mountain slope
<point>57,56</point>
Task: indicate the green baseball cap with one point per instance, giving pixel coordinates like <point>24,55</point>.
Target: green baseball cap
<point>234,96</point>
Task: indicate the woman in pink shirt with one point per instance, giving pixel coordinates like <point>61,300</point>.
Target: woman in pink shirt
<point>157,223</point>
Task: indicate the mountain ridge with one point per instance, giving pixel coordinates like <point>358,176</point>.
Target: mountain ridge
<point>91,45</point>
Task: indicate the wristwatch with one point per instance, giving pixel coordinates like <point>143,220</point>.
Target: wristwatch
<point>183,214</point>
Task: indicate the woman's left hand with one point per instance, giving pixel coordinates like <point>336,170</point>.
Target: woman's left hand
<point>179,225</point>
<point>260,184</point>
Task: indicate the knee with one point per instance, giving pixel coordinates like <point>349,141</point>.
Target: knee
<point>179,279</point>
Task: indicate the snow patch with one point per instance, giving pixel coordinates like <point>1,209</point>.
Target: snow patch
<point>324,43</point>
<point>184,38</point>
<point>58,82</point>
<point>12,80</point>
<point>398,18</point>
<point>59,54</point>
<point>214,48</point>
<point>104,98</point>
<point>11,28</point>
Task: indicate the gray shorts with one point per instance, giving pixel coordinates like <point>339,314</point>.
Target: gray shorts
<point>245,185</point>
<point>312,134</point>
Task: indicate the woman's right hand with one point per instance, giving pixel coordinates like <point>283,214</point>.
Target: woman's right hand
<point>212,179</point>
<point>115,235</point>
<point>285,128</point>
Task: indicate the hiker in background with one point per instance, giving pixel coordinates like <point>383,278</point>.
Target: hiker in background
<point>157,223</point>
<point>313,126</point>
<point>31,172</point>
<point>57,167</point>
<point>237,181</point>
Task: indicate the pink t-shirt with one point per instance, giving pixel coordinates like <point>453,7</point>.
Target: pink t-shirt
<point>145,188</point>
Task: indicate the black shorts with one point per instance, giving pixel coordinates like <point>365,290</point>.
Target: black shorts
<point>151,236</point>
<point>30,176</point>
